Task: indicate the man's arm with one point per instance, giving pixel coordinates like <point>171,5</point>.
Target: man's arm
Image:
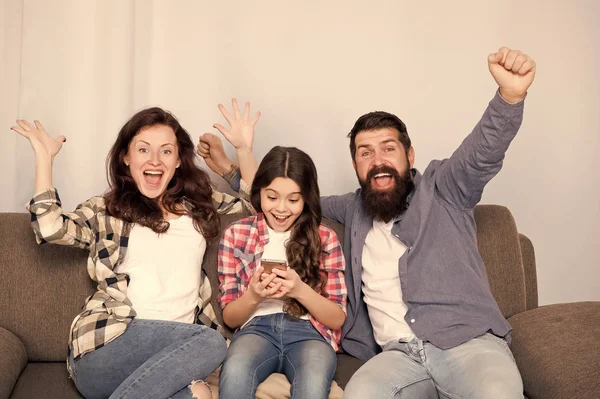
<point>335,207</point>
<point>461,178</point>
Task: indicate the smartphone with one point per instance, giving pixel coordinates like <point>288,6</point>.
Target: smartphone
<point>270,264</point>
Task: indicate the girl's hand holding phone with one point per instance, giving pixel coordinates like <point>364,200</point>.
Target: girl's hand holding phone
<point>289,282</point>
<point>262,289</point>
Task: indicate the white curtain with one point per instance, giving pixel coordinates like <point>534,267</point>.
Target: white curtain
<point>83,67</point>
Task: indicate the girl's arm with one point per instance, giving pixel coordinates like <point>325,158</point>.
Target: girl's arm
<point>237,312</point>
<point>323,309</point>
<point>330,311</point>
<point>240,135</point>
<point>49,222</point>
<point>238,301</point>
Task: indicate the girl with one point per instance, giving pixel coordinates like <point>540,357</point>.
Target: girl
<point>136,336</point>
<point>289,320</point>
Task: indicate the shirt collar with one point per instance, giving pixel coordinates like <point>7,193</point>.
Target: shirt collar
<point>261,226</point>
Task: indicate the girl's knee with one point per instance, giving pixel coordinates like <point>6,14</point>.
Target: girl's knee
<point>317,354</point>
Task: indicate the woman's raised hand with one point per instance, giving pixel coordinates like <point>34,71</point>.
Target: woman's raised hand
<point>43,144</point>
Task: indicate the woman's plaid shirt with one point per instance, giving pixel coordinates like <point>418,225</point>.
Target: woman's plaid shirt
<point>108,311</point>
<point>242,247</point>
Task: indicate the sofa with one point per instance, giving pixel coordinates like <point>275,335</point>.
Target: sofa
<point>556,347</point>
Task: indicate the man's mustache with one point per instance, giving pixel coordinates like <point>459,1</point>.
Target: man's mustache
<point>382,169</point>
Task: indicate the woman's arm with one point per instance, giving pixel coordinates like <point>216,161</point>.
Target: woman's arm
<point>49,222</point>
<point>45,149</point>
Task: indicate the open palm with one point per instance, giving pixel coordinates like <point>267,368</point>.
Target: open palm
<point>241,132</point>
<point>43,144</point>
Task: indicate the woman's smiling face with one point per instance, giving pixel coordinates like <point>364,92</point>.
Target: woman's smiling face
<point>152,158</point>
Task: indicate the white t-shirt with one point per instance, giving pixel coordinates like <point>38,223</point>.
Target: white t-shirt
<point>165,271</point>
<point>381,284</point>
<point>274,250</point>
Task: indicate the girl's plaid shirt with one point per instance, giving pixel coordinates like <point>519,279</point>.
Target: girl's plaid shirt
<point>108,311</point>
<point>242,247</point>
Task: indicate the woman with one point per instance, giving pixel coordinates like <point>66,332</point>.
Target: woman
<point>136,335</point>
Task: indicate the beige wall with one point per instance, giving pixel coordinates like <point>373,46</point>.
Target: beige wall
<point>83,67</point>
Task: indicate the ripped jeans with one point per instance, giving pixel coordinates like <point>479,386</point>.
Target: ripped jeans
<point>151,359</point>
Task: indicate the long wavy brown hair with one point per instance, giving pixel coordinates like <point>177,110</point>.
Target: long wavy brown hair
<point>189,191</point>
<point>304,248</point>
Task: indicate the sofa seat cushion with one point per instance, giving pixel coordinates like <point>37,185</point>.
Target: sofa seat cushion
<point>557,350</point>
<point>48,380</point>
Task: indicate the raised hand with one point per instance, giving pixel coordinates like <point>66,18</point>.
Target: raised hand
<point>241,127</point>
<point>43,144</point>
<point>513,71</point>
<point>211,149</point>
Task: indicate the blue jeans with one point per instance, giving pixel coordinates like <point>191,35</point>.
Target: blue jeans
<point>278,343</point>
<point>480,368</point>
<point>151,359</point>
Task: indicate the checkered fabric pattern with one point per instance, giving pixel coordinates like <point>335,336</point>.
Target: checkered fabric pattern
<point>108,311</point>
<point>242,247</point>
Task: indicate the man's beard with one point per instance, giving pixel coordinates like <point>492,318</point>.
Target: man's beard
<point>383,206</point>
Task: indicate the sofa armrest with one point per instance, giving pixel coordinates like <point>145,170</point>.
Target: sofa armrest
<point>13,359</point>
<point>531,288</point>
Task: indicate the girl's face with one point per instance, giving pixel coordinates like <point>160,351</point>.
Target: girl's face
<point>282,203</point>
<point>152,157</point>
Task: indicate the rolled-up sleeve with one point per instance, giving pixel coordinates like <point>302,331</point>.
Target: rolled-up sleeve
<point>334,264</point>
<point>51,224</point>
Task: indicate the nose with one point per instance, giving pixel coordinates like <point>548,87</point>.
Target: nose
<point>155,158</point>
<point>378,158</point>
<point>281,206</point>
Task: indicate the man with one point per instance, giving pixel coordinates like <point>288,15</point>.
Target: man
<point>420,311</point>
<point>416,275</point>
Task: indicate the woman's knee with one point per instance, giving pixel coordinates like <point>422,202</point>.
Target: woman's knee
<point>214,339</point>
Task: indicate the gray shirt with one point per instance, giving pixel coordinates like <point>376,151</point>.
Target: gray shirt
<point>442,275</point>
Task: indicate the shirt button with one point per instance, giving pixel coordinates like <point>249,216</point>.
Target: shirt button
<point>412,320</point>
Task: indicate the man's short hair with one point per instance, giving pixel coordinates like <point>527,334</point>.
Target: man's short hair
<point>378,120</point>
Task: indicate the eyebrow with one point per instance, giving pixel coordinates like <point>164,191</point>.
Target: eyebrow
<point>145,142</point>
<point>380,143</point>
<point>276,192</point>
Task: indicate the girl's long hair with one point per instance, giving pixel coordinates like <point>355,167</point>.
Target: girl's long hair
<point>304,248</point>
<point>190,185</point>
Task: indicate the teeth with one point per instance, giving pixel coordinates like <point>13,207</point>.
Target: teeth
<point>382,175</point>
<point>153,172</point>
<point>280,217</point>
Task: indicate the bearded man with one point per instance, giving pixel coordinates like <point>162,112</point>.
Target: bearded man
<point>420,310</point>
